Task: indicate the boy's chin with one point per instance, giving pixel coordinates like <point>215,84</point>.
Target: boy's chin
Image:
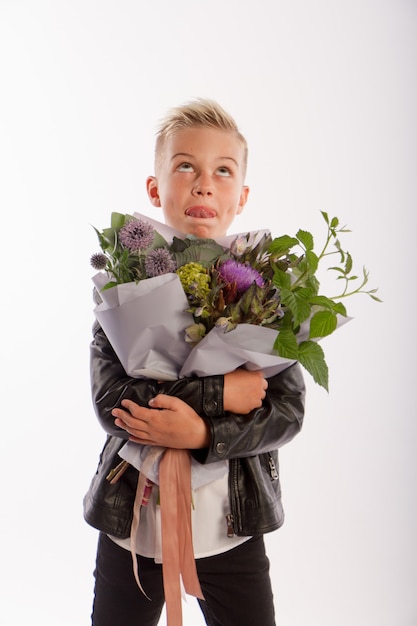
<point>206,229</point>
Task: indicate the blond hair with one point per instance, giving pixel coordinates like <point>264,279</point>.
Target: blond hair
<point>203,113</point>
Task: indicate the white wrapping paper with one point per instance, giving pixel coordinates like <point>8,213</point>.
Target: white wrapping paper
<point>246,346</point>
<point>145,324</point>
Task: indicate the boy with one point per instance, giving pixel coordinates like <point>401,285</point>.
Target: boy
<point>200,166</point>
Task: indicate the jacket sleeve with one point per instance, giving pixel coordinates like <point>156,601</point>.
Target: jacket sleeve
<point>271,426</point>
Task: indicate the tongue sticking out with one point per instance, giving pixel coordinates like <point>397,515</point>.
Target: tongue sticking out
<point>200,211</point>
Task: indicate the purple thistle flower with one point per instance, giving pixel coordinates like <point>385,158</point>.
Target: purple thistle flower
<point>136,235</point>
<point>98,261</point>
<point>242,274</point>
<point>159,261</point>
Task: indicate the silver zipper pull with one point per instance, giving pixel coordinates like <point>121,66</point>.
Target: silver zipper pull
<point>272,468</point>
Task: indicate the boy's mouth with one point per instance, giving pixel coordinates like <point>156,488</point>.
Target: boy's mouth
<point>200,211</point>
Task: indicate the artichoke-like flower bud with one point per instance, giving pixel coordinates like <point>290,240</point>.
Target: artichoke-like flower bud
<point>241,274</point>
<point>194,333</point>
<point>225,323</point>
<point>239,245</point>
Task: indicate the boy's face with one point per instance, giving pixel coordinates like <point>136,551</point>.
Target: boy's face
<point>199,181</point>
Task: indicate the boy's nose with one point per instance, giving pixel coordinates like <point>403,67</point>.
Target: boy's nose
<point>202,186</point>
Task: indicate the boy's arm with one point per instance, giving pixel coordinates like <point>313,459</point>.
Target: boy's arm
<point>277,421</point>
<point>231,434</point>
<point>110,385</point>
<point>171,422</point>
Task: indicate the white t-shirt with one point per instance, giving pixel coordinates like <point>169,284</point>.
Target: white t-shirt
<point>208,520</point>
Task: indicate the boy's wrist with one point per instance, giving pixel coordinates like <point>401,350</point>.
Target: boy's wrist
<point>204,435</point>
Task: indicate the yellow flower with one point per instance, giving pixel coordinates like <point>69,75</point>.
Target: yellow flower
<point>195,279</point>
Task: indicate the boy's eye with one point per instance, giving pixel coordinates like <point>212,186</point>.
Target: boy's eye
<point>185,167</point>
<point>224,171</point>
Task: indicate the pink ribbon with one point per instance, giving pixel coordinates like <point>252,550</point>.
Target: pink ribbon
<point>177,546</point>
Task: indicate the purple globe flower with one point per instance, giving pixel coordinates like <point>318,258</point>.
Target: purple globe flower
<point>136,235</point>
<point>98,261</point>
<point>159,261</point>
<point>241,274</point>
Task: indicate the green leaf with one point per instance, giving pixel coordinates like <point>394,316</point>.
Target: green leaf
<point>119,219</point>
<point>300,308</point>
<point>349,263</point>
<point>313,285</point>
<point>205,252</point>
<point>311,357</point>
<point>281,245</point>
<point>108,239</point>
<point>178,245</point>
<point>281,279</point>
<point>323,301</point>
<point>340,250</point>
<point>340,308</point>
<point>312,261</point>
<point>326,216</point>
<point>327,303</point>
<point>306,239</point>
<point>159,241</point>
<point>249,297</point>
<point>109,285</point>
<point>322,323</point>
<point>286,345</point>
<point>305,292</point>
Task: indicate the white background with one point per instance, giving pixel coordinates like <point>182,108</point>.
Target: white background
<point>325,93</point>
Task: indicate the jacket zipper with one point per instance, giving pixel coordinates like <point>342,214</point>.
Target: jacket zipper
<point>235,514</point>
<point>272,468</point>
<point>229,523</point>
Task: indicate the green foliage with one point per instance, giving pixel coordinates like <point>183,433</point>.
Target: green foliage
<point>300,299</point>
<point>193,250</point>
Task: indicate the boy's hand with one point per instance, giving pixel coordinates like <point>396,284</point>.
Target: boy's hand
<point>243,391</point>
<point>170,423</point>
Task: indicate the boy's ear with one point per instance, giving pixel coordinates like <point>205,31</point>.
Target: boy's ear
<point>152,189</point>
<point>243,199</point>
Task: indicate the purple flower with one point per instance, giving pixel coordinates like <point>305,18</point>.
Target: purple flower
<point>242,274</point>
<point>136,235</point>
<point>98,261</point>
<point>159,261</point>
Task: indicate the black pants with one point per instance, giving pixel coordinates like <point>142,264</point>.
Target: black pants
<point>236,586</point>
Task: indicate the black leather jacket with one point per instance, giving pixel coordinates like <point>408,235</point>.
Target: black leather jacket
<point>250,442</point>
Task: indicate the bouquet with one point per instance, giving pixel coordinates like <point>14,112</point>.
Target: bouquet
<point>223,286</point>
